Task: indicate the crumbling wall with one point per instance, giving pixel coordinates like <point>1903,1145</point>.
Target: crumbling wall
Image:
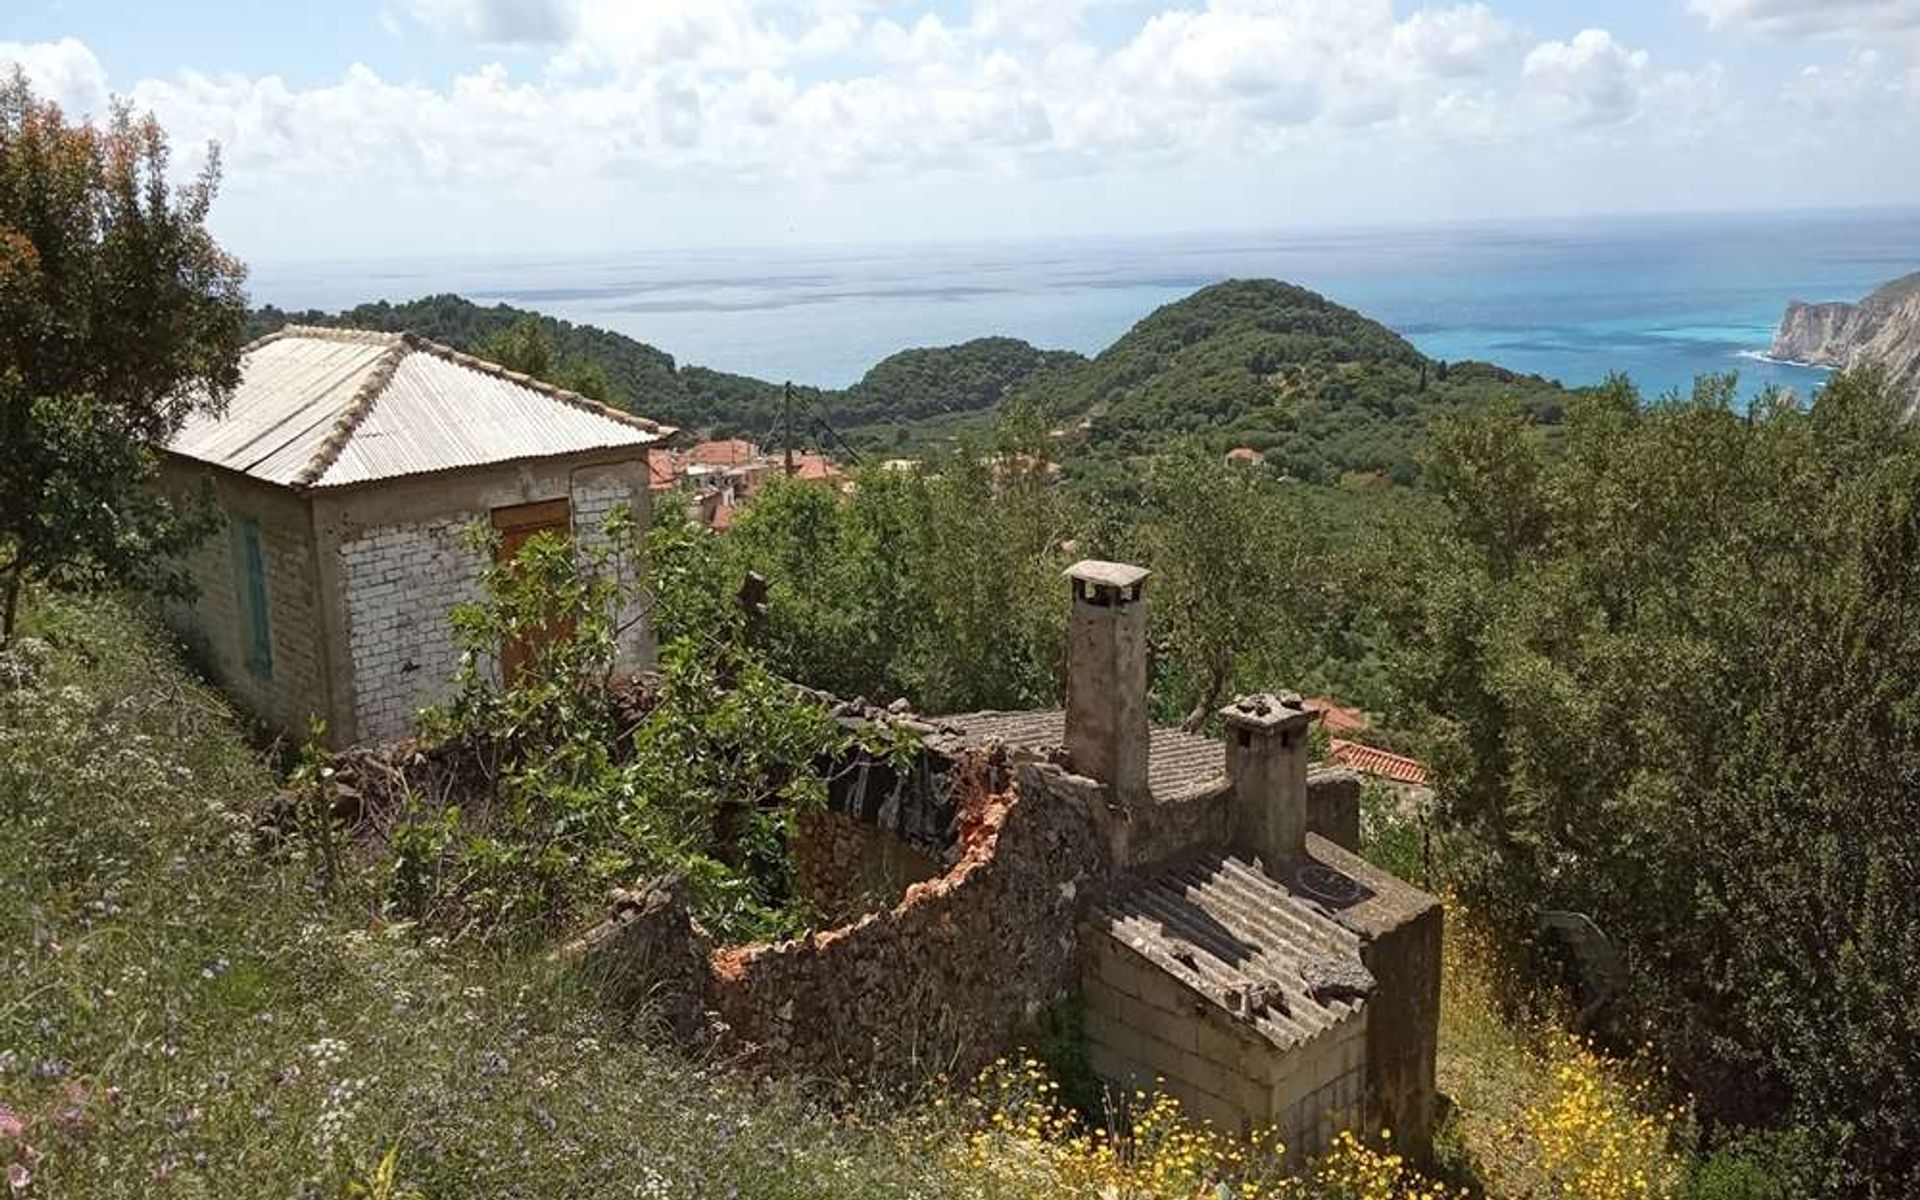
<point>944,979</point>
<point>844,867</point>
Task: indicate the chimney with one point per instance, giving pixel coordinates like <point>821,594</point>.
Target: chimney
<point>1267,764</point>
<point>1107,676</point>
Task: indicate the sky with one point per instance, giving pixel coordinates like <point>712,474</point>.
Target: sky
<point>358,129</point>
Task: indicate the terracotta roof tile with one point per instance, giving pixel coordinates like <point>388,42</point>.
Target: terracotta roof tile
<point>1369,761</point>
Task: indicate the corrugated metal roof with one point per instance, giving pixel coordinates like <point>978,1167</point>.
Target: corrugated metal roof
<point>292,391</point>
<point>1179,764</point>
<point>330,407</point>
<point>1244,940</point>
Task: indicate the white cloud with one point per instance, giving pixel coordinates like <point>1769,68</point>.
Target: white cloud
<point>1859,19</point>
<point>497,22</point>
<point>733,99</point>
<point>1592,79</point>
<point>65,71</point>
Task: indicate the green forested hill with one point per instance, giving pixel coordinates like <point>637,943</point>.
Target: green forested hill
<point>1320,389</point>
<point>903,388</point>
<point>914,384</point>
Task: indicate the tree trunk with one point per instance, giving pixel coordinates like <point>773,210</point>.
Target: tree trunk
<point>12,609</point>
<point>1209,699</point>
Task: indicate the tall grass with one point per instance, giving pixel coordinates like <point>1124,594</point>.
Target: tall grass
<point>184,1013</point>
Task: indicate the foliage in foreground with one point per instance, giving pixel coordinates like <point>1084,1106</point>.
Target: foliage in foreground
<point>1673,673</point>
<point>119,317</point>
<point>183,1016</point>
<point>580,782</point>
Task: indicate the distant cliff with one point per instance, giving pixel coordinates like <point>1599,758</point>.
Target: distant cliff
<point>1884,329</point>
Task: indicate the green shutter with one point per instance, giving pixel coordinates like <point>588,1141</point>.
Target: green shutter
<point>253,563</point>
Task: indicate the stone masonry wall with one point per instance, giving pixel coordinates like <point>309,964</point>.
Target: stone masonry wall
<point>844,867</point>
<point>941,981</point>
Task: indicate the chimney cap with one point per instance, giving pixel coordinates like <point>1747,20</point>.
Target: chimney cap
<point>1268,712</point>
<point>1106,574</point>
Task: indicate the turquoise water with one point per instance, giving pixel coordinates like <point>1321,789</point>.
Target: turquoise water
<point>1660,299</point>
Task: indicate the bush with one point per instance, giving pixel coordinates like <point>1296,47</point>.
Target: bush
<point>588,784</point>
<point>1670,670</point>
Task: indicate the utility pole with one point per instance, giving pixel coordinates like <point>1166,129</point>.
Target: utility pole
<point>786,421</point>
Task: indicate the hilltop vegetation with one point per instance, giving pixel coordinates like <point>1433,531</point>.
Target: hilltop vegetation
<point>901,389</point>
<point>1320,389</point>
<point>970,377</point>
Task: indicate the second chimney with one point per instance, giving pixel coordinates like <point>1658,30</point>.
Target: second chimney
<point>1267,763</point>
<point>1107,676</point>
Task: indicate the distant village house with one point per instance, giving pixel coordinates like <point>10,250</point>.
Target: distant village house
<point>717,476</point>
<point>346,467</point>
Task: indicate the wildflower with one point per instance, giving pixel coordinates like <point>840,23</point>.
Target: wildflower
<point>18,1177</point>
<point>11,1126</point>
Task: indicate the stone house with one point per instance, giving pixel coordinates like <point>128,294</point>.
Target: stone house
<point>1202,897</point>
<point>346,467</point>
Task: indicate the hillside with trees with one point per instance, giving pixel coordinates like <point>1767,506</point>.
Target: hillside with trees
<point>1320,390</point>
<point>902,389</point>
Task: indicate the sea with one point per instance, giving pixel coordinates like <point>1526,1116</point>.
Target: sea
<point>1661,299</point>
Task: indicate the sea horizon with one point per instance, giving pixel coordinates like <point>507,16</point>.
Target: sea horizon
<point>1661,298</point>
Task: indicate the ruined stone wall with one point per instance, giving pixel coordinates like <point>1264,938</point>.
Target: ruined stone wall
<point>844,867</point>
<point>944,979</point>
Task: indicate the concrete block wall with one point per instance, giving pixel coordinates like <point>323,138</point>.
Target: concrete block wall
<point>1147,1028</point>
<point>402,566</point>
<point>399,583</point>
<point>595,495</point>
<point>214,621</point>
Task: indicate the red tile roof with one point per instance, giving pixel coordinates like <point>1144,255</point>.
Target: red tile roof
<point>1243,454</point>
<point>663,466</point>
<point>814,468</point>
<point>1336,717</point>
<point>1369,761</point>
<point>728,452</point>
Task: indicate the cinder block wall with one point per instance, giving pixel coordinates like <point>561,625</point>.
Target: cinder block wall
<point>1147,1028</point>
<point>214,622</point>
<point>396,566</point>
<point>400,583</point>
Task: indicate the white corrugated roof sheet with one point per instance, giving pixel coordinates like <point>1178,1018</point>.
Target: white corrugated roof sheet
<point>330,408</point>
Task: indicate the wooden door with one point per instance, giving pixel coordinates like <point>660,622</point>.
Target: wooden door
<point>515,525</point>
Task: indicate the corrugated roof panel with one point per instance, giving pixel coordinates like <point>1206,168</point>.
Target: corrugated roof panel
<point>411,407</point>
<point>436,415</point>
<point>292,390</point>
<point>1240,937</point>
